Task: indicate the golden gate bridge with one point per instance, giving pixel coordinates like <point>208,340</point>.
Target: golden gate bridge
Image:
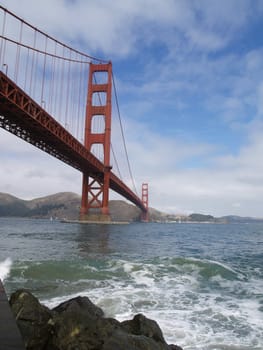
<point>60,100</point>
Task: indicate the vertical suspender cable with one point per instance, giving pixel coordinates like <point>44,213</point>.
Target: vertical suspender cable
<point>115,160</point>
<point>123,138</point>
<point>79,99</point>
<point>43,103</point>
<point>18,53</point>
<point>61,89</point>
<point>32,65</point>
<point>52,79</point>
<point>26,69</point>
<point>3,43</point>
<point>36,80</point>
<point>58,64</point>
<point>67,122</point>
<point>72,98</point>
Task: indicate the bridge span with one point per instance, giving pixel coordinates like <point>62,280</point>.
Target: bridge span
<point>53,96</point>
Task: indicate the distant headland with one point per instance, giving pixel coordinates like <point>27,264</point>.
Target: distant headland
<point>65,205</point>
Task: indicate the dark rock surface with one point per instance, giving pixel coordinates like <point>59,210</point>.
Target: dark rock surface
<point>78,324</point>
<point>34,320</point>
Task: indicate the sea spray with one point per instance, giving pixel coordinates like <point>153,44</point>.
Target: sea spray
<point>5,267</point>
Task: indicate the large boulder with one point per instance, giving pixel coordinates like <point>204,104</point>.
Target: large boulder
<point>33,319</point>
<point>79,305</point>
<point>75,330</point>
<point>141,325</point>
<point>146,334</point>
<point>78,324</point>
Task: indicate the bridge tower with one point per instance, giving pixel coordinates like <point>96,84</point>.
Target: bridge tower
<point>145,200</point>
<point>95,188</point>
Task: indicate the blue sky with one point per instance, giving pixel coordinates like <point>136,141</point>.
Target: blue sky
<point>189,76</point>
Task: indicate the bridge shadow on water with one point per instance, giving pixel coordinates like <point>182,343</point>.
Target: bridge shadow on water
<point>123,241</point>
<point>93,239</point>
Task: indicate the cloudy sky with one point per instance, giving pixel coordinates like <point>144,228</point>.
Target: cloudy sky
<point>189,75</point>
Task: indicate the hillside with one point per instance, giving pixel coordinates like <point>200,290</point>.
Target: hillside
<point>53,205</point>
<point>61,205</point>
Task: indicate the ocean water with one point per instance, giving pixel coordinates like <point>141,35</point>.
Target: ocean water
<point>202,283</point>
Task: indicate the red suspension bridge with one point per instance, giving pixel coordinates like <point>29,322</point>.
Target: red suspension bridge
<point>60,100</point>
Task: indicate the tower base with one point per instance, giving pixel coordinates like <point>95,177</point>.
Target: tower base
<point>99,217</point>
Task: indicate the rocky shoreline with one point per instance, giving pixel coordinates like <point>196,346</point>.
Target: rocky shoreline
<point>78,324</point>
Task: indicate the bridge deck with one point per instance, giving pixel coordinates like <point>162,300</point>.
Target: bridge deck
<point>10,337</point>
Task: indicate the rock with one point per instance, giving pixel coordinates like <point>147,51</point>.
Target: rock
<point>75,331</point>
<point>80,305</point>
<point>175,347</point>
<point>124,341</point>
<point>140,325</point>
<point>33,319</point>
<point>78,324</point>
<point>149,334</point>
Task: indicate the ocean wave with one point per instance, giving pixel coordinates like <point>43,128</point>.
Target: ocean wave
<point>205,267</point>
<point>5,267</point>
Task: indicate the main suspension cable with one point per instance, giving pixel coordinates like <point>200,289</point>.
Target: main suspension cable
<point>48,36</point>
<point>48,53</point>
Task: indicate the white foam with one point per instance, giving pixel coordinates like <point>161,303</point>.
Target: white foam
<point>128,267</point>
<point>5,267</point>
<point>190,315</point>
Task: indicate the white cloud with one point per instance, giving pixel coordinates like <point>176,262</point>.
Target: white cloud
<point>28,172</point>
<point>214,188</point>
<point>115,28</point>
